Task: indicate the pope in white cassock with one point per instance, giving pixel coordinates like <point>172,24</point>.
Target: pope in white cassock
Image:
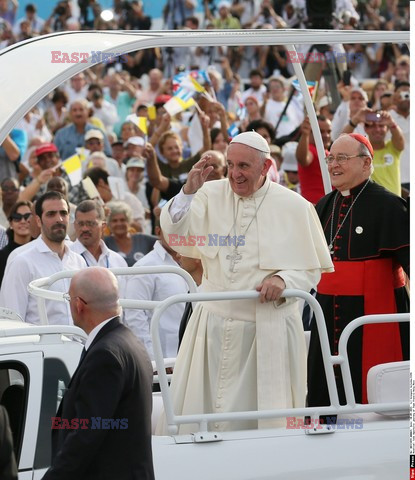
<point>248,354</point>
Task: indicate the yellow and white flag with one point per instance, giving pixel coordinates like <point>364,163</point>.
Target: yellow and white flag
<point>73,167</point>
<point>141,122</point>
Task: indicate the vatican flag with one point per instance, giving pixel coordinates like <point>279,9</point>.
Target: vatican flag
<point>73,167</point>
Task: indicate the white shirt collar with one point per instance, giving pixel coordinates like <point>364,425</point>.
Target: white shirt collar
<point>94,332</point>
<point>43,247</point>
<point>162,252</point>
<point>82,249</point>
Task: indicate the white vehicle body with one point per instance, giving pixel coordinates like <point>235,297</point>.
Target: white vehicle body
<point>378,450</point>
<point>367,445</point>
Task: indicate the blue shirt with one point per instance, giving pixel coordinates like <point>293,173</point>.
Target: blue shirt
<point>67,139</point>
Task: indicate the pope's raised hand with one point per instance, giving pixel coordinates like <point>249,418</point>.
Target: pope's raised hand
<point>197,175</point>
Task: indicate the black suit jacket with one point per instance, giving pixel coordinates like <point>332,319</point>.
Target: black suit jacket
<point>113,381</point>
<point>8,468</point>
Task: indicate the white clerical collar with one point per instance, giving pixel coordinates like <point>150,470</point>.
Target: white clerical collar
<point>345,193</point>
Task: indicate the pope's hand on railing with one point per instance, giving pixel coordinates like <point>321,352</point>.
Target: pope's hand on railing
<point>271,289</point>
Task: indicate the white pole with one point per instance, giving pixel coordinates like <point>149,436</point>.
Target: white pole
<point>313,120</point>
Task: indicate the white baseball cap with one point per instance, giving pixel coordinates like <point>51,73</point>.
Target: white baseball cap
<point>253,140</point>
<point>224,4</point>
<point>361,91</point>
<point>289,162</point>
<point>138,141</point>
<point>136,162</point>
<point>94,133</point>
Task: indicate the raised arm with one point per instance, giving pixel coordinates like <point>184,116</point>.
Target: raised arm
<point>163,127</point>
<point>34,186</point>
<point>355,120</point>
<point>398,140</point>
<point>204,122</point>
<point>303,154</point>
<point>155,177</point>
<point>11,149</point>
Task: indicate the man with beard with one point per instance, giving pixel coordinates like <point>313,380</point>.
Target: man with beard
<point>47,255</point>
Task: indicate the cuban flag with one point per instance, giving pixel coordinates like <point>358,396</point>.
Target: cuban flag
<point>181,101</point>
<point>312,87</point>
<point>195,79</point>
<point>233,130</point>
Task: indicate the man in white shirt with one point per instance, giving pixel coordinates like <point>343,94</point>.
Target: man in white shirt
<point>99,178</point>
<point>89,226</point>
<point>78,88</point>
<point>354,101</point>
<point>148,95</point>
<point>157,287</point>
<point>275,105</point>
<point>47,255</point>
<point>94,142</point>
<point>36,23</point>
<point>101,108</point>
<point>257,88</point>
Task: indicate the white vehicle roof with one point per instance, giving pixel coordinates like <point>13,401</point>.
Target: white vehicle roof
<point>28,73</point>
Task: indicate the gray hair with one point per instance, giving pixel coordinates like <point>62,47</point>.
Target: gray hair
<point>116,207</point>
<point>219,155</point>
<point>89,206</point>
<point>363,150</point>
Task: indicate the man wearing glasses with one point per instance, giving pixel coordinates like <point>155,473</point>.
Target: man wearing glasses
<point>367,231</point>
<point>46,255</point>
<point>89,225</point>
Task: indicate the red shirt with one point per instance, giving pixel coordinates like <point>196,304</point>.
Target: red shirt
<point>311,181</point>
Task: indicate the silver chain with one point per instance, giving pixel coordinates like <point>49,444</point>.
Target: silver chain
<point>332,238</point>
<point>235,216</point>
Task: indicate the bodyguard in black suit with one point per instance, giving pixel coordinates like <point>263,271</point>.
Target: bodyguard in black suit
<point>105,415</point>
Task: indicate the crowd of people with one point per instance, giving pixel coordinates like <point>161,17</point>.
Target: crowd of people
<point>245,139</point>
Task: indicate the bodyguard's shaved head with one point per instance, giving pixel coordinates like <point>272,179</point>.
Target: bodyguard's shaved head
<point>98,286</point>
<point>94,297</point>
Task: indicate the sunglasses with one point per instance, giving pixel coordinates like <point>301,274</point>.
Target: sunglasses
<point>18,217</point>
<point>68,298</point>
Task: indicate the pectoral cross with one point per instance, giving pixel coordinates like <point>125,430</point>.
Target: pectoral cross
<point>234,257</point>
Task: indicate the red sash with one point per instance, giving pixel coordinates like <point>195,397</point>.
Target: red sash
<point>376,281</point>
